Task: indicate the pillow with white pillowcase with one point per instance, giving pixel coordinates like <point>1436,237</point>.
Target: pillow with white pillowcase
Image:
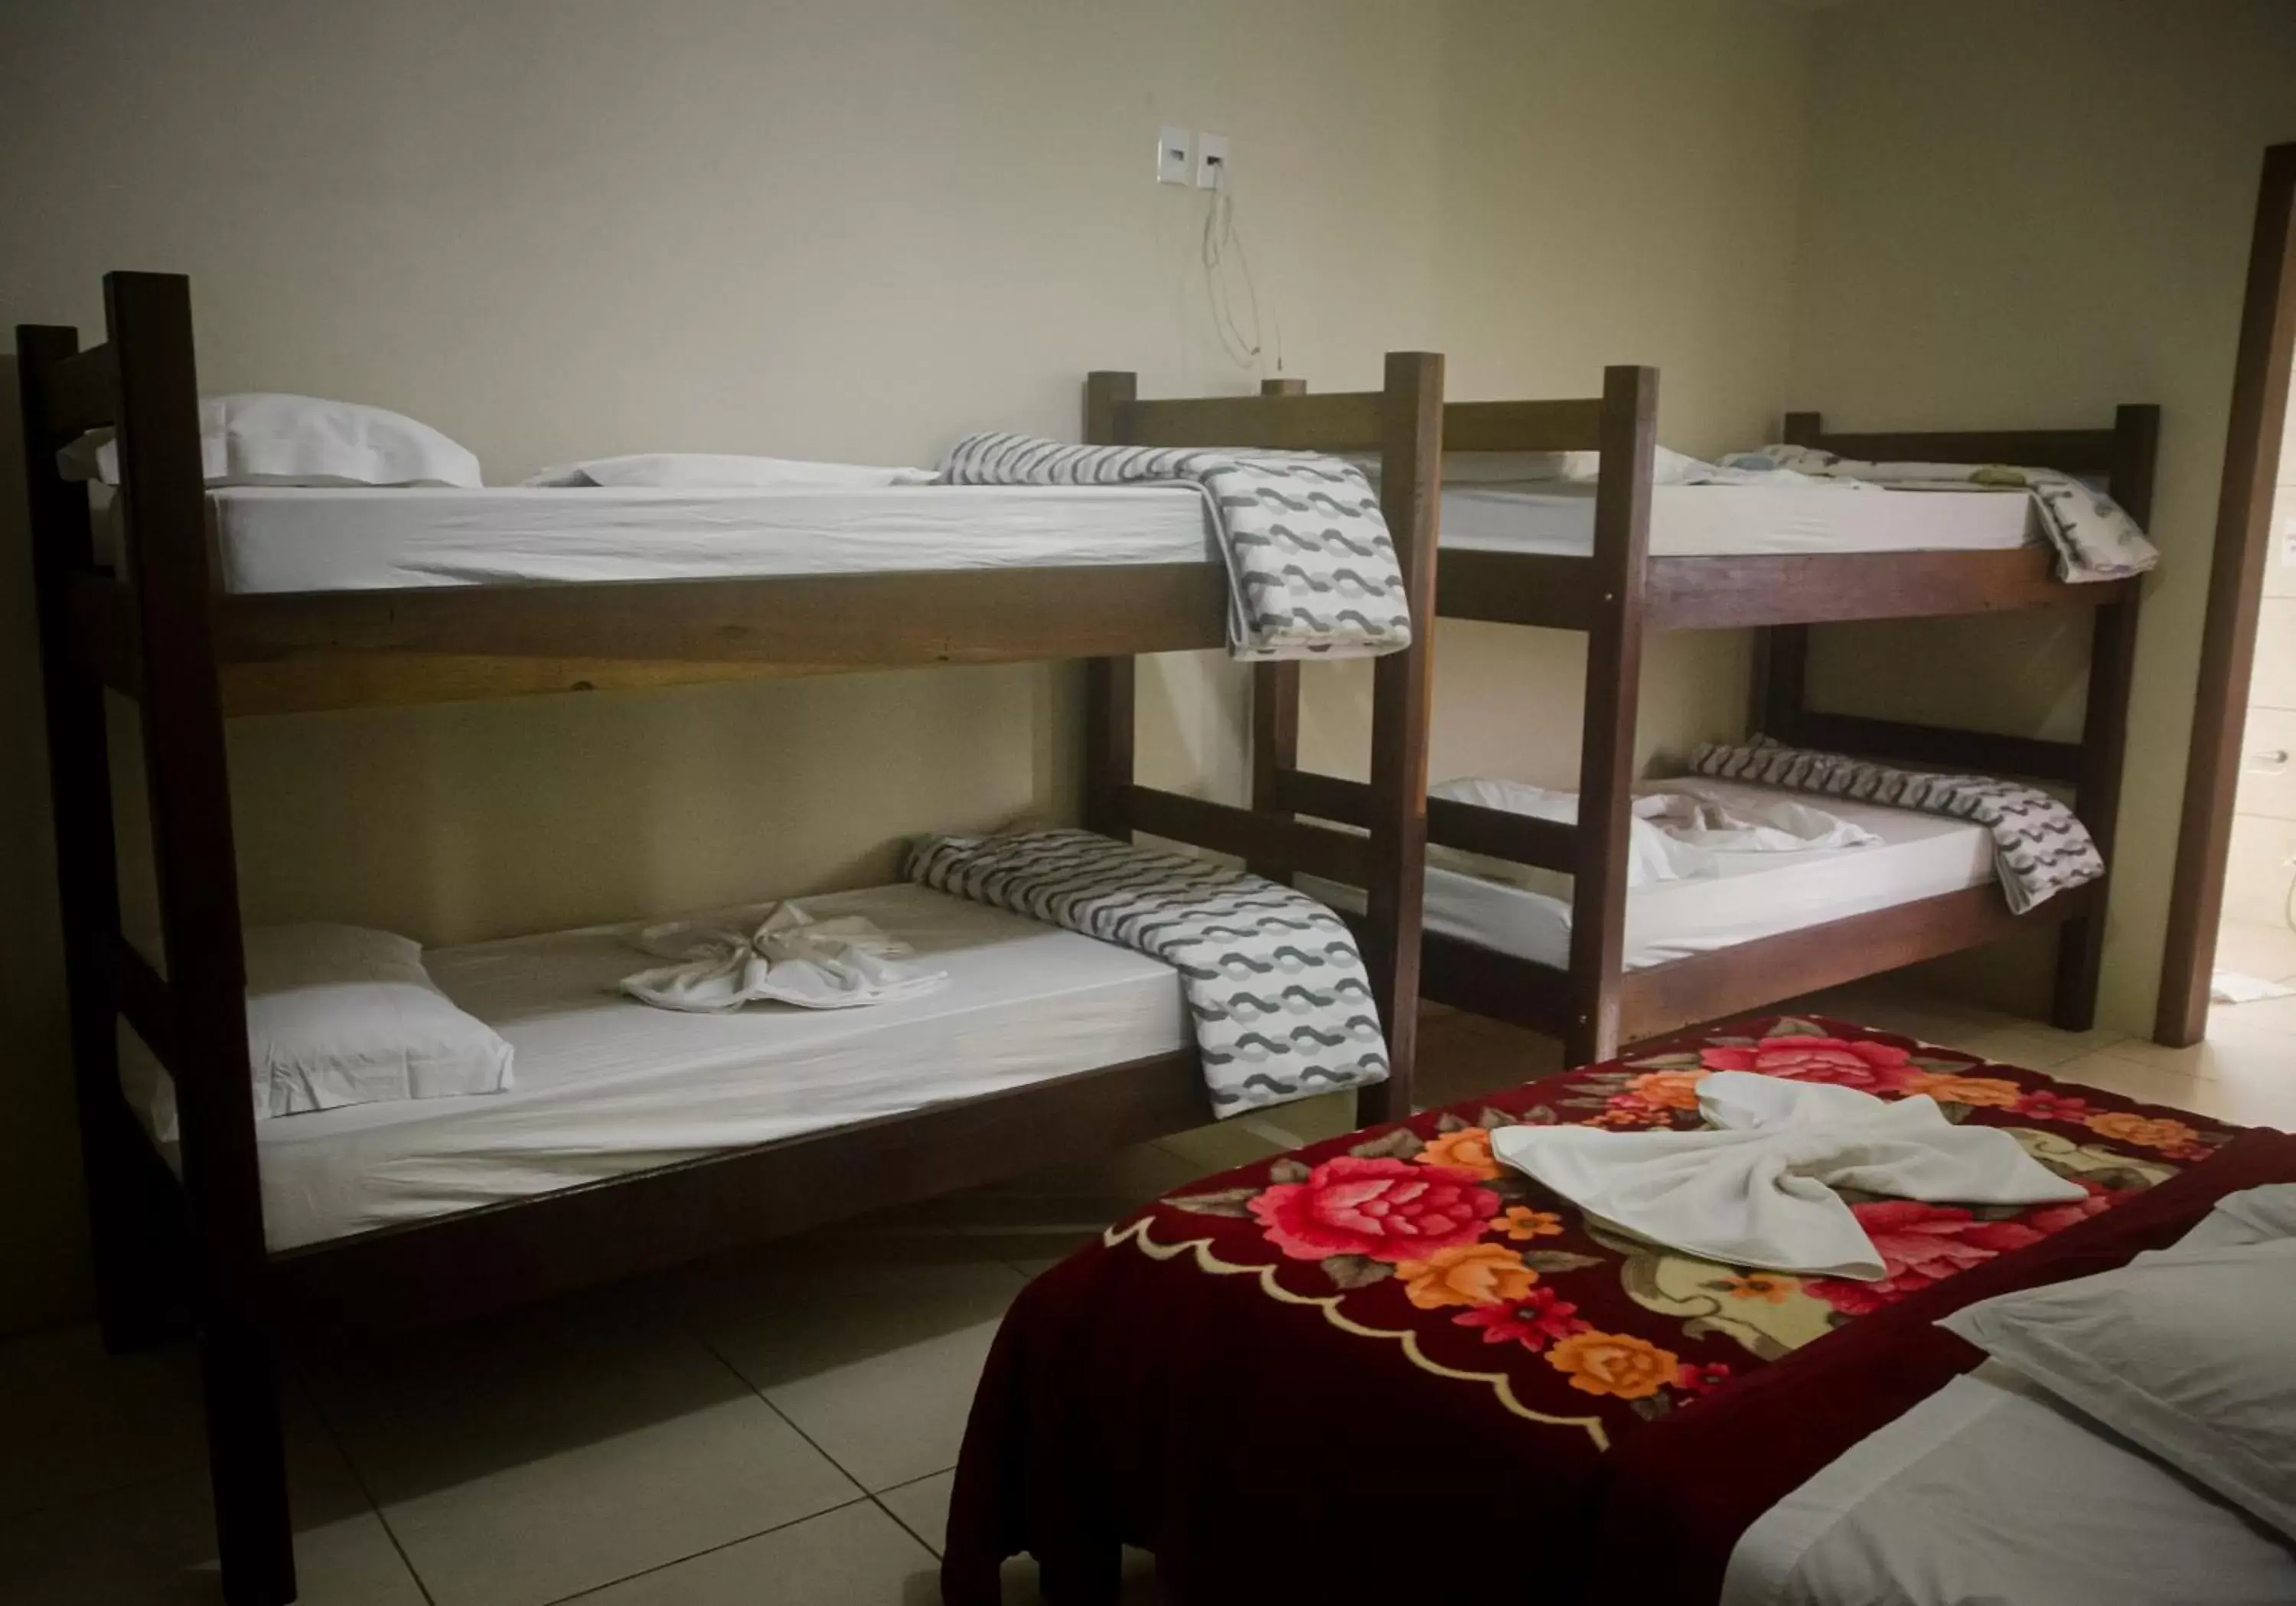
<point>1652,855</point>
<point>340,1015</point>
<point>2188,1353</point>
<point>1522,468</point>
<point>708,470</point>
<point>263,438</point>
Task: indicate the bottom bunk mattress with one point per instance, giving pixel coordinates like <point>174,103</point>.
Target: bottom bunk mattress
<point>1251,1381</point>
<point>606,1085</point>
<point>1751,895</point>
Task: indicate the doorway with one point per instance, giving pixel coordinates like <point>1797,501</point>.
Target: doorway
<point>2235,890</point>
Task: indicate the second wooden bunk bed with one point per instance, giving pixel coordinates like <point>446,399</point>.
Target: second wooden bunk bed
<point>1621,591</point>
<point>156,628</point>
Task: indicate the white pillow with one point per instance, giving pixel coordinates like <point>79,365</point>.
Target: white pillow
<point>1652,855</point>
<point>2189,1353</point>
<point>261,439</point>
<point>340,1015</point>
<point>669,470</point>
<point>1516,468</point>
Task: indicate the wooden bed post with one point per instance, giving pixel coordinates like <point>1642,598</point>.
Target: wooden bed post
<point>128,1191</point>
<point>2105,723</point>
<point>1274,708</point>
<point>1782,652</point>
<point>1411,488</point>
<point>1108,742</point>
<point>162,488</point>
<point>1606,760</point>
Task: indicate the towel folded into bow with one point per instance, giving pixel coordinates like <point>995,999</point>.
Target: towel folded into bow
<point>790,959</point>
<point>1759,1189</point>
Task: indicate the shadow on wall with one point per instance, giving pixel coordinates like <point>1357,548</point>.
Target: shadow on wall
<point>43,1263</point>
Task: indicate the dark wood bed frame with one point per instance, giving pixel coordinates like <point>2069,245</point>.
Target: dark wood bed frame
<point>1621,591</point>
<point>158,631</point>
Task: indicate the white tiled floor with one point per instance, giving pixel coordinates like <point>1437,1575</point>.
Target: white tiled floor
<point>776,1429</point>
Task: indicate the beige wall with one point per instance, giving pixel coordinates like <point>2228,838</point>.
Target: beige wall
<point>565,227</point>
<point>2021,212</point>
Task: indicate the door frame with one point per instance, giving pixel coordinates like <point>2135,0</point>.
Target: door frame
<point>2259,409</point>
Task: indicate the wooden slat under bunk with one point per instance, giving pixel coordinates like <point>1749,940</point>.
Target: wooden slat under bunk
<point>294,653</point>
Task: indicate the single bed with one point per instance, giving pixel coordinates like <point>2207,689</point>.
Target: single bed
<point>1751,895</point>
<point>606,1085</point>
<point>1279,1404</point>
<point>1991,1489</point>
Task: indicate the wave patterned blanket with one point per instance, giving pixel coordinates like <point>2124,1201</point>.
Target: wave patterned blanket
<point>2094,537</point>
<point>1279,995</point>
<point>2040,847</point>
<point>1311,568</point>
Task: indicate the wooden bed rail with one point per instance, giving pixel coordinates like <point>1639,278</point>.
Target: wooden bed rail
<point>1470,827</point>
<point>157,643</point>
<point>82,394</point>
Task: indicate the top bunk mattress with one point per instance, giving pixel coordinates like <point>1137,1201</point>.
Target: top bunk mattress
<point>362,538</point>
<point>606,1085</point>
<point>300,538</point>
<point>1557,518</point>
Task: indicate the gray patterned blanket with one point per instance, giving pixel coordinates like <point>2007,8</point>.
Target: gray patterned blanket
<point>1311,568</point>
<point>1281,1001</point>
<point>2040,849</point>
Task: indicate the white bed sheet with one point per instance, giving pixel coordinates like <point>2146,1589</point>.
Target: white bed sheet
<point>1715,520</point>
<point>606,1085</point>
<point>1991,1491</point>
<point>1753,895</point>
<point>357,538</point>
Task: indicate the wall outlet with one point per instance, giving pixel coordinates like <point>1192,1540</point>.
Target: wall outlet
<point>1171,154</point>
<point>1211,159</point>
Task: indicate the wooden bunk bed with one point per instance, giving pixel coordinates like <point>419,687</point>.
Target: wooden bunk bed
<point>159,630</point>
<point>1621,591</point>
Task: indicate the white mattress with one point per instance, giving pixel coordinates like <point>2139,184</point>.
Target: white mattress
<point>1715,521</point>
<point>1753,895</point>
<point>1990,1490</point>
<point>606,1085</point>
<point>359,538</point>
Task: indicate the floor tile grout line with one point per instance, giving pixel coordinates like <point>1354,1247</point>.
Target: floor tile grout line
<point>692,1329</point>
<point>863,1498</point>
<point>342,1443</point>
<point>878,1500</point>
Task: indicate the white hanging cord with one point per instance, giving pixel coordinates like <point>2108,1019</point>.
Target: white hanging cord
<point>1223,240</point>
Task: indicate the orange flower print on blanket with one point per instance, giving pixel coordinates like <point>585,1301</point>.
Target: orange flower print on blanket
<point>1522,1223</point>
<point>1947,1088</point>
<point>1618,1365</point>
<point>1468,1150</point>
<point>2146,1132</point>
<point>1471,1274</point>
<point>1668,1090</point>
<point>1771,1287</point>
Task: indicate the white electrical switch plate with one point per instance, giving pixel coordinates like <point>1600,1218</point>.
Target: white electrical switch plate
<point>1211,159</point>
<point>1171,154</point>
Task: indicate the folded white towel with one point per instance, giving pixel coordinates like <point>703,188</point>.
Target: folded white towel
<point>1757,1191</point>
<point>790,959</point>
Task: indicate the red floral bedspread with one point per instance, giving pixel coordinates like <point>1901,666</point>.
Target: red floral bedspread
<point>1386,1368</point>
